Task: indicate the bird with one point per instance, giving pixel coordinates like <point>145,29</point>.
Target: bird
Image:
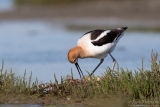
<point>96,44</point>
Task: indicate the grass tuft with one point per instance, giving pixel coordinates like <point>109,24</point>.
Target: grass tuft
<point>138,84</point>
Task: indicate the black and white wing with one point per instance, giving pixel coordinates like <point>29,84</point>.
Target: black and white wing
<point>101,37</point>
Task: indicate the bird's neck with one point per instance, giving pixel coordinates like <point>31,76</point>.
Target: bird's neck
<point>80,52</point>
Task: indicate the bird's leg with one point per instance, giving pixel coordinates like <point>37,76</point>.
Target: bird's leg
<point>97,66</point>
<point>114,61</point>
<point>79,70</point>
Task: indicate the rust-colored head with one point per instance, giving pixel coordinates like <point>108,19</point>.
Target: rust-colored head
<point>74,54</point>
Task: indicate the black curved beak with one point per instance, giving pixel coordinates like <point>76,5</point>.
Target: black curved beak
<point>79,70</point>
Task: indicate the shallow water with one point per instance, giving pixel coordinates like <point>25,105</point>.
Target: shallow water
<point>42,47</point>
<point>31,105</point>
<point>22,105</point>
<point>6,5</point>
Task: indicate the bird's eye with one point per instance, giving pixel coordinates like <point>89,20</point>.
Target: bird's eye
<point>74,60</point>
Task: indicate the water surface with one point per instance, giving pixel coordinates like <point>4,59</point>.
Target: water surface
<point>42,47</point>
<point>6,5</point>
<point>22,105</point>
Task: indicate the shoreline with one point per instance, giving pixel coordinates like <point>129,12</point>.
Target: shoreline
<point>83,24</point>
<point>143,14</point>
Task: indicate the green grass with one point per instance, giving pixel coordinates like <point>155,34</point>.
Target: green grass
<point>140,84</point>
<point>10,83</point>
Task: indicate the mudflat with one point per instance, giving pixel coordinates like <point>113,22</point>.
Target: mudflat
<point>140,11</point>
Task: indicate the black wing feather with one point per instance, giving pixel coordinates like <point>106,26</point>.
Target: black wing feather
<point>108,38</point>
<point>95,33</point>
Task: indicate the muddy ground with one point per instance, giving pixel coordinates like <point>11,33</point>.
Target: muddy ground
<point>51,100</point>
<point>109,12</point>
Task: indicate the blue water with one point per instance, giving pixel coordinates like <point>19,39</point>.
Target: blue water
<point>42,47</point>
<point>6,5</point>
<point>22,105</point>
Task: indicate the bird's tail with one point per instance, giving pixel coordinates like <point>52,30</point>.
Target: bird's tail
<point>124,28</point>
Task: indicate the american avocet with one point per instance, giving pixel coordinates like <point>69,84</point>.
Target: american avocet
<point>96,44</point>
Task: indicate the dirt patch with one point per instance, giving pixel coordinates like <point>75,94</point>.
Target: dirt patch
<point>123,9</point>
<point>31,99</point>
<point>51,100</point>
<point>142,15</point>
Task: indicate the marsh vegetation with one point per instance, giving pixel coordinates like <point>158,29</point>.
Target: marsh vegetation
<point>140,84</point>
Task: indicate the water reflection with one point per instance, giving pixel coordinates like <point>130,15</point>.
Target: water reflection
<point>42,48</point>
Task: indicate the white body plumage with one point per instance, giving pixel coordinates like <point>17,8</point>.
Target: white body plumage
<point>99,52</point>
